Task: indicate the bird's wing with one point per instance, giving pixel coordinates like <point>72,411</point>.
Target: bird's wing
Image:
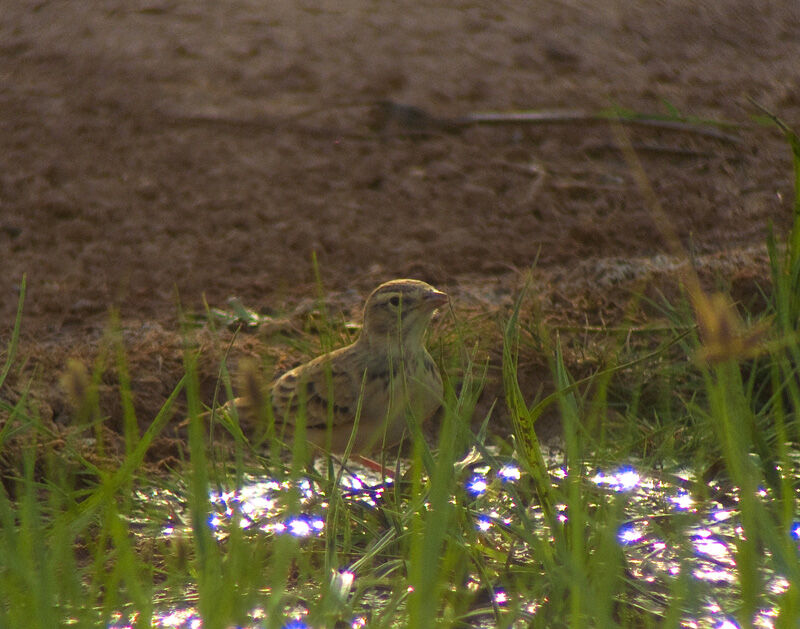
<point>327,381</point>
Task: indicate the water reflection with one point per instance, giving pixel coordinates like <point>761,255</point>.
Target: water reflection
<point>682,500</point>
<point>477,485</point>
<point>509,473</point>
<point>665,532</point>
<point>279,507</point>
<point>625,479</point>
<point>629,534</point>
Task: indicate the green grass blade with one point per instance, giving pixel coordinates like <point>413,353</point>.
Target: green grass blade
<point>11,353</point>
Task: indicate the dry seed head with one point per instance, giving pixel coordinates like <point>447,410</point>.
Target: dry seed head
<point>76,383</point>
<point>723,334</point>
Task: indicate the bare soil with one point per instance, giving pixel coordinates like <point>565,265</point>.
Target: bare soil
<point>164,152</point>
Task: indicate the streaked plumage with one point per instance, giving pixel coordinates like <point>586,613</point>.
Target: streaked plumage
<point>387,368</point>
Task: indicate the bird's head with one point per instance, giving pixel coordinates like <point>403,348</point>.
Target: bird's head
<point>397,313</point>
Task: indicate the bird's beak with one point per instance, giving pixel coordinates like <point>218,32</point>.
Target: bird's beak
<point>436,298</point>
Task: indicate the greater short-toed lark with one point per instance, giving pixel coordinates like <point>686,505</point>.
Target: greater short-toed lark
<point>381,379</point>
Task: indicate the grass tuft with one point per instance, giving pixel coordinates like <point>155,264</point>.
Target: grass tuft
<point>708,405</point>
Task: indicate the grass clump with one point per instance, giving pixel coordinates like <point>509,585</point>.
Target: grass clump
<point>512,537</point>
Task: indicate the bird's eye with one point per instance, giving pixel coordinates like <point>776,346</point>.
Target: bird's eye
<point>395,301</point>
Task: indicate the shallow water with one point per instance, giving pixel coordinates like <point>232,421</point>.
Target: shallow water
<point>665,532</point>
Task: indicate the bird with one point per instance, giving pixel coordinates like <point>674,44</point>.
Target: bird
<point>361,395</point>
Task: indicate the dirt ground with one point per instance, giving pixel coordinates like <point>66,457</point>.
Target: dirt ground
<point>161,150</point>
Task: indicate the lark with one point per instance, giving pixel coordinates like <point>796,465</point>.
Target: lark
<point>366,392</point>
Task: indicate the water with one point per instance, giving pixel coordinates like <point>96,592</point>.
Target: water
<point>665,532</point>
